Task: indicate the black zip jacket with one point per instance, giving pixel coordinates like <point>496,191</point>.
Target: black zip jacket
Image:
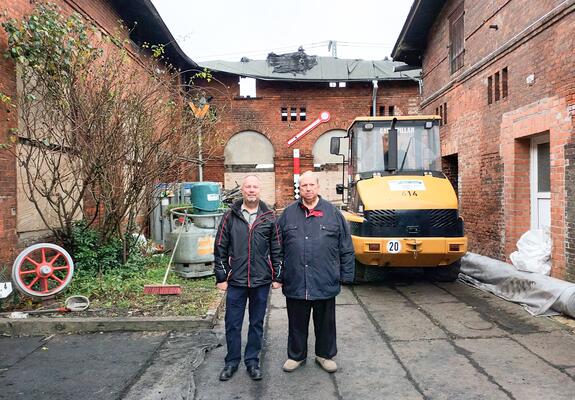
<point>244,256</point>
<point>317,251</point>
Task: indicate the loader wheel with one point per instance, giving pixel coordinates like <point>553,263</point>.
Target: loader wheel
<point>368,273</point>
<point>443,274</point>
<point>359,275</point>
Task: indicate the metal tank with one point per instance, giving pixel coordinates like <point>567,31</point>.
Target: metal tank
<point>194,255</point>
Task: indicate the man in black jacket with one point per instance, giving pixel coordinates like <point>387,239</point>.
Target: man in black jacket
<point>318,256</point>
<point>247,258</point>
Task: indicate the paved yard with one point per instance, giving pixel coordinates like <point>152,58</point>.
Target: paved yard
<point>397,340</point>
<point>413,340</point>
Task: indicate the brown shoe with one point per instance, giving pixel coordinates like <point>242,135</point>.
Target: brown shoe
<point>327,364</point>
<point>291,365</point>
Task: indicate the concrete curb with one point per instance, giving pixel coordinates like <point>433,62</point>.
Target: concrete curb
<point>46,326</point>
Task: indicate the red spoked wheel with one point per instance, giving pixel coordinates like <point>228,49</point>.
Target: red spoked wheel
<point>42,270</point>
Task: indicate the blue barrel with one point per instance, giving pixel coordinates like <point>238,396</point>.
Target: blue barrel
<point>206,197</point>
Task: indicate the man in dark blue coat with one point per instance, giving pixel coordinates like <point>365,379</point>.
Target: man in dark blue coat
<point>247,259</point>
<point>317,257</point>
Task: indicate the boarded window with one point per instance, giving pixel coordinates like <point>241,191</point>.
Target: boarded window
<point>441,122</point>
<point>456,38</point>
<point>496,86</point>
<point>490,90</point>
<point>504,87</point>
<point>391,110</point>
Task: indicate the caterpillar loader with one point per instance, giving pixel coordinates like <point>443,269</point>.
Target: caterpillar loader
<point>402,210</point>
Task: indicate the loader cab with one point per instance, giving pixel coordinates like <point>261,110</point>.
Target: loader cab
<point>381,146</point>
<point>394,146</point>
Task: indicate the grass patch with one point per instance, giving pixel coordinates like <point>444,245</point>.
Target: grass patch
<point>120,292</point>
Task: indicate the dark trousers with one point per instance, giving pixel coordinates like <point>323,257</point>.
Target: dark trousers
<point>236,299</point>
<point>323,325</point>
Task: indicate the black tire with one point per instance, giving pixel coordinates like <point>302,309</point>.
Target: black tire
<point>369,273</point>
<point>447,273</point>
<point>359,275</point>
<point>375,274</point>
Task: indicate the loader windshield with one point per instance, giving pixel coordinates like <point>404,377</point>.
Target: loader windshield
<point>417,146</point>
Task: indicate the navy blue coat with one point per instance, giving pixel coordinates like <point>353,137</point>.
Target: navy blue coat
<point>317,252</point>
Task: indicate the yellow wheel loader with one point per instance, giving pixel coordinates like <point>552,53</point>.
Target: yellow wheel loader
<point>401,208</point>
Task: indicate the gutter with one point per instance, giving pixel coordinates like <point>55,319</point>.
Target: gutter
<point>374,98</point>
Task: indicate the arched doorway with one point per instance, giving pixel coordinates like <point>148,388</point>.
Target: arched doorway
<point>250,153</point>
<point>328,167</point>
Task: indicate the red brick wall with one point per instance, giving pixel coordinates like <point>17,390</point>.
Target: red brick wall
<point>99,12</point>
<point>262,114</point>
<point>492,140</point>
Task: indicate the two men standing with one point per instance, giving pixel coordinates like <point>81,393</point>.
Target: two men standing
<point>308,251</point>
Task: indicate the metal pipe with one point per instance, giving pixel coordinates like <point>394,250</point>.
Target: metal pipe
<point>374,98</point>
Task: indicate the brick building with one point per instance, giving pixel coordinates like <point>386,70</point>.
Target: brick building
<point>270,101</point>
<point>502,75</point>
<point>19,225</point>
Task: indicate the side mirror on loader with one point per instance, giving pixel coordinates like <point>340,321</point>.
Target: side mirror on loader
<point>334,146</point>
<point>339,188</point>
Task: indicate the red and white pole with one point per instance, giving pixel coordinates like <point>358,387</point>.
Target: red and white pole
<point>296,172</point>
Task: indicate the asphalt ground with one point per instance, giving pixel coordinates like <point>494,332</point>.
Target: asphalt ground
<point>401,339</point>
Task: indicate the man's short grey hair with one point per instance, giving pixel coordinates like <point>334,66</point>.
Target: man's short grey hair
<point>250,176</point>
<point>312,174</point>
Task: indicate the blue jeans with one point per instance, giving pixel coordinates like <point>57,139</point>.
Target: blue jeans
<point>236,299</point>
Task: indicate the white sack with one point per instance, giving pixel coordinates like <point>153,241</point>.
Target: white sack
<point>533,252</point>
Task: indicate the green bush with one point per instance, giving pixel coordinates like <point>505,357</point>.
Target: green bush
<point>90,255</point>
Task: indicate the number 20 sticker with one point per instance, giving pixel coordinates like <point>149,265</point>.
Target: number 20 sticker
<point>393,246</point>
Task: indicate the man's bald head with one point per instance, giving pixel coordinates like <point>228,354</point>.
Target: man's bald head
<point>309,188</point>
<point>309,176</point>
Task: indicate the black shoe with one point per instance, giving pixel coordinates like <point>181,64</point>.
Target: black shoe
<point>228,372</point>
<point>255,372</point>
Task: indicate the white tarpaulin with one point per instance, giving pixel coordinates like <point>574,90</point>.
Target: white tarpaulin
<point>537,293</point>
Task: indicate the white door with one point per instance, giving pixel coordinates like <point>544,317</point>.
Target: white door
<point>540,183</point>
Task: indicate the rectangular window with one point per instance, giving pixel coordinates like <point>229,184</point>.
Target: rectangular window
<point>247,87</point>
<point>490,90</point>
<point>444,113</point>
<point>496,86</point>
<point>333,84</point>
<point>391,110</point>
<point>293,114</point>
<point>381,111</point>
<point>341,84</point>
<point>504,87</point>
<point>543,168</point>
<point>302,114</point>
<point>456,38</point>
<point>441,122</point>
<point>284,113</point>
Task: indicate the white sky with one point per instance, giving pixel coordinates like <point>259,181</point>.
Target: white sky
<point>230,29</point>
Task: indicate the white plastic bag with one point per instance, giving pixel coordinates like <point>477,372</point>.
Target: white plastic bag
<point>533,252</point>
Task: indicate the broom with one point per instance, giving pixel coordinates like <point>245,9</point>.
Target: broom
<point>163,288</point>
